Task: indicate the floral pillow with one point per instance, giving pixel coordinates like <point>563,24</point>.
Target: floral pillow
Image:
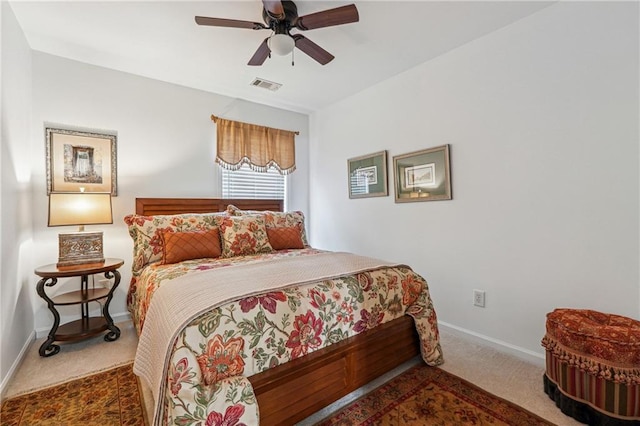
<point>242,235</point>
<point>147,232</point>
<point>234,211</point>
<point>275,219</point>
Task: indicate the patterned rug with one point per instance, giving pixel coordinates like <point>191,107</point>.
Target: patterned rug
<point>430,396</point>
<point>112,397</point>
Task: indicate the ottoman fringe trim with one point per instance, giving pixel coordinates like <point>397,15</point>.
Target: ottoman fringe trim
<point>591,365</point>
<point>582,410</point>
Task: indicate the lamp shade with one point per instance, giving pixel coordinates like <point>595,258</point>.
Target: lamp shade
<point>79,208</point>
<point>281,44</point>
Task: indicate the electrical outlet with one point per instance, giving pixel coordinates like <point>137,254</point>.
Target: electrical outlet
<point>478,298</point>
<point>106,283</point>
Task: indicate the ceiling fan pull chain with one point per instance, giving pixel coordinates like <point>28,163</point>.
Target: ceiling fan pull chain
<point>292,63</point>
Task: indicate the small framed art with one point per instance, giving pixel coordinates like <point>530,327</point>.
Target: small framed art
<point>422,175</point>
<point>368,175</point>
<point>80,161</point>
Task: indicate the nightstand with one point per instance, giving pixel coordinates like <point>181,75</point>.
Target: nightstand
<point>86,326</point>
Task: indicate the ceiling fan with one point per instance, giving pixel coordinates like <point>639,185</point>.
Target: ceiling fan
<point>281,17</point>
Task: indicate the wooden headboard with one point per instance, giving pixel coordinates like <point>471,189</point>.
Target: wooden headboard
<point>155,206</point>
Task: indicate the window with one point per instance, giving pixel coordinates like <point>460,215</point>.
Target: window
<point>245,183</point>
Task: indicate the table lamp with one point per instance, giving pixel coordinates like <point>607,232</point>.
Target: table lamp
<point>79,208</point>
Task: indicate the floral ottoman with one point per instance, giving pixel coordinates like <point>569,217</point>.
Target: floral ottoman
<point>593,366</point>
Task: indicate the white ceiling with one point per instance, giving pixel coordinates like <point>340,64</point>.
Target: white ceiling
<point>160,40</point>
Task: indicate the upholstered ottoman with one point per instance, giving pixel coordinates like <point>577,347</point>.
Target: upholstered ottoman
<point>593,366</point>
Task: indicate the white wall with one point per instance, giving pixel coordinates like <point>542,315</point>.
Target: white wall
<point>166,148</point>
<point>542,119</point>
<point>17,286</point>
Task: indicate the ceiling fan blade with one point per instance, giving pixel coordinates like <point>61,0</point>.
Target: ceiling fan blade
<point>312,49</point>
<point>232,23</point>
<point>274,8</point>
<point>327,18</point>
<point>261,54</point>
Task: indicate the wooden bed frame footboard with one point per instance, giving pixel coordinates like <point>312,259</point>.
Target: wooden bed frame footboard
<point>291,392</point>
<point>295,390</point>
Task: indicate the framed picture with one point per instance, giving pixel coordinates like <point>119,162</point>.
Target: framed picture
<point>422,175</point>
<point>80,161</point>
<point>368,175</point>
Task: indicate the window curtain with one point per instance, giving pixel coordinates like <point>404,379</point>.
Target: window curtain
<point>259,147</point>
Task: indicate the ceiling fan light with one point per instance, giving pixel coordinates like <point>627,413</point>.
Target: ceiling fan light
<point>281,44</point>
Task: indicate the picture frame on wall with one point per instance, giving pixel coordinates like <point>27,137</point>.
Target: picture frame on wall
<point>367,175</point>
<point>422,175</point>
<point>80,161</point>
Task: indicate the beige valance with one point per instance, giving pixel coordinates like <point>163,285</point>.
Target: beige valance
<point>259,147</point>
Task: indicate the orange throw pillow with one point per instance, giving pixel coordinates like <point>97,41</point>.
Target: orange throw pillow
<point>285,238</point>
<point>179,246</point>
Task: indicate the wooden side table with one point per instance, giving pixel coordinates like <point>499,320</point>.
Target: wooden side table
<point>86,326</point>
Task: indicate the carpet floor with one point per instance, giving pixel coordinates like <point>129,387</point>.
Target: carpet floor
<point>109,398</point>
<point>499,373</point>
<point>426,395</point>
<point>420,396</point>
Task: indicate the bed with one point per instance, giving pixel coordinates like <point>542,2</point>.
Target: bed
<point>304,334</point>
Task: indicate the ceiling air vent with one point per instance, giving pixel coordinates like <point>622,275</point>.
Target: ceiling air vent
<point>266,84</point>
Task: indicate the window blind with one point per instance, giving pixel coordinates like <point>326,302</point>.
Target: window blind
<point>245,183</point>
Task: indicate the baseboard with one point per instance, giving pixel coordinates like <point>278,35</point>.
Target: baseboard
<point>499,345</point>
<point>121,317</point>
<point>15,365</point>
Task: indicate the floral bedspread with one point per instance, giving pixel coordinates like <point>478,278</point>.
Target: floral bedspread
<point>214,354</point>
<point>151,278</point>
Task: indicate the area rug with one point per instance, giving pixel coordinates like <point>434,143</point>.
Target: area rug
<point>109,398</point>
<point>426,395</point>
